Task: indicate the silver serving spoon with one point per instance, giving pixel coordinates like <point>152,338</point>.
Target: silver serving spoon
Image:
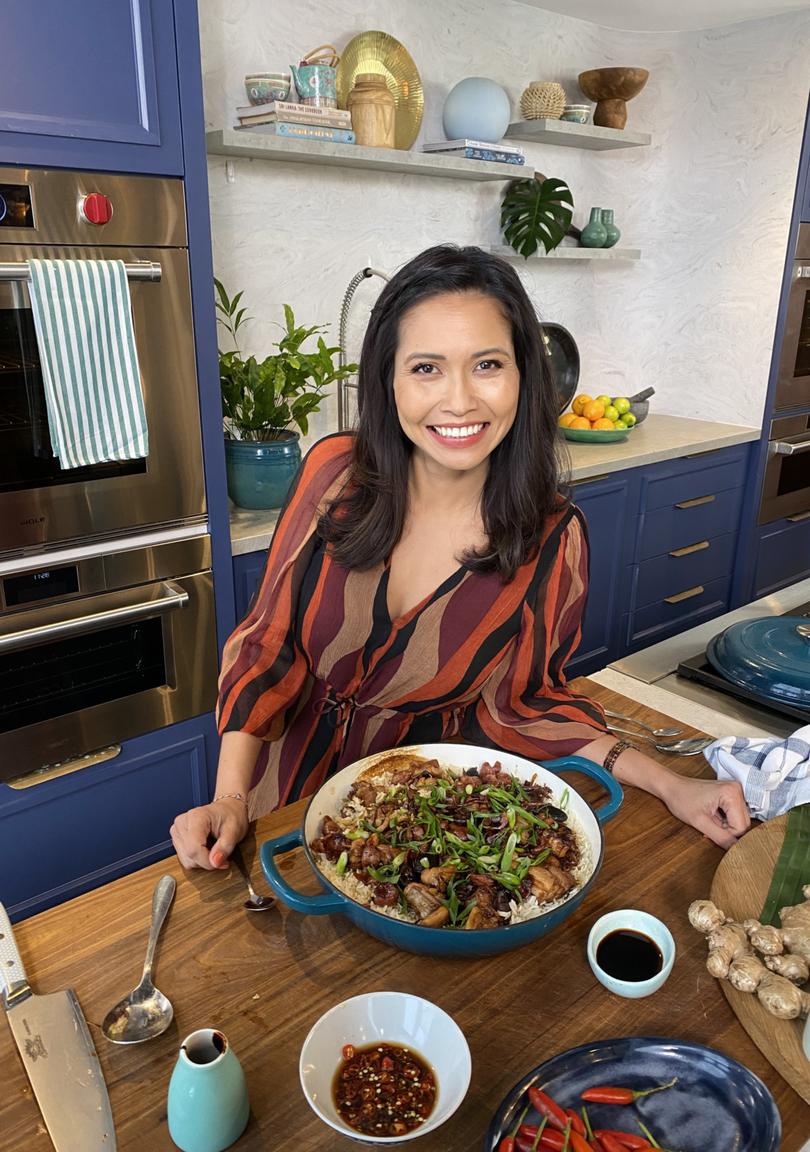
<point>146,1012</point>
<point>689,746</point>
<point>661,732</point>
<point>255,903</point>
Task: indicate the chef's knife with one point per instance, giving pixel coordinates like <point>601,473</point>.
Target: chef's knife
<point>58,1056</point>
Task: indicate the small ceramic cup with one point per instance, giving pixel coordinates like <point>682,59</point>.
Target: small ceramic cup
<point>632,920</point>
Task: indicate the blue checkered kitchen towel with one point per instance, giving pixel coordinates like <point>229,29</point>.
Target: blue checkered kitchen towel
<point>83,321</point>
<point>775,774</point>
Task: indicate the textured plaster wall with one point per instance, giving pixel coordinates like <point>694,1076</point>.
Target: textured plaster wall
<point>708,203</point>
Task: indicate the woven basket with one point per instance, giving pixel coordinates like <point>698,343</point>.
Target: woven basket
<point>543,100</point>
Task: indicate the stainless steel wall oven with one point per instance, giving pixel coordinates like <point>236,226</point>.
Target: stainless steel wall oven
<point>793,380</point>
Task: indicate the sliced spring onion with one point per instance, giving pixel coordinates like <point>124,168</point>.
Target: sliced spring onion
<point>342,861</point>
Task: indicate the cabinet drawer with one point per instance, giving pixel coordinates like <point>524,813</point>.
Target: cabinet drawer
<point>783,556</point>
<point>695,477</point>
<point>686,522</point>
<point>697,563</point>
<point>677,612</point>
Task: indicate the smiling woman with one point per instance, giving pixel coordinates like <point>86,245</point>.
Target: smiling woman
<point>426,580</point>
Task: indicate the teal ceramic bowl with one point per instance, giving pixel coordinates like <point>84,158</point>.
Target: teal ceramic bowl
<point>447,941</point>
<point>595,435</point>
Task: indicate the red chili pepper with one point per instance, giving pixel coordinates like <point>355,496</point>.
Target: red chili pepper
<point>576,1124</point>
<point>548,1107</point>
<point>347,1051</point>
<point>549,1139</point>
<point>527,1143</point>
<point>611,1144</point>
<point>507,1143</point>
<point>630,1139</point>
<point>609,1095</point>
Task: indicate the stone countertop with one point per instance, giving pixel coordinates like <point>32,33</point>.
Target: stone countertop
<point>658,438</point>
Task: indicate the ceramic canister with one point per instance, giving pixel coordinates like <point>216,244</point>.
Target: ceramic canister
<point>373,110</point>
<point>208,1102</point>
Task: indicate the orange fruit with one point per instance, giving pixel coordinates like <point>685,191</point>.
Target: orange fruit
<point>566,418</point>
<point>593,410</point>
<point>603,425</point>
<point>580,422</point>
<point>579,403</point>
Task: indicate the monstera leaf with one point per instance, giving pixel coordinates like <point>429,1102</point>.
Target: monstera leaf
<point>535,212</point>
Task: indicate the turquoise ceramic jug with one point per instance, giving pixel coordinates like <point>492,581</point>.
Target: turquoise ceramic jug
<point>208,1101</point>
<point>613,233</point>
<point>594,234</point>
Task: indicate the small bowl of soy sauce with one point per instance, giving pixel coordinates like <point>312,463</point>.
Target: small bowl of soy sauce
<point>631,952</point>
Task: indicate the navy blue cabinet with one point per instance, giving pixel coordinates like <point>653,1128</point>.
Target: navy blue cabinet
<point>90,86</point>
<point>72,833</point>
<point>783,555</point>
<point>247,574</point>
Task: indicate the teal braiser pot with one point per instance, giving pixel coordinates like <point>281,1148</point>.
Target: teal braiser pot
<point>445,941</point>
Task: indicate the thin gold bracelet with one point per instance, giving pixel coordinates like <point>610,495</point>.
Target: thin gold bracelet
<point>614,754</point>
<point>230,796</point>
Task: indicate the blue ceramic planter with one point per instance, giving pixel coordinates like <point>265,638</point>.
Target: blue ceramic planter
<point>442,941</point>
<point>260,471</point>
<point>208,1106</point>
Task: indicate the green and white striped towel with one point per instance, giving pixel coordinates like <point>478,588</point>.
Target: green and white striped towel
<point>83,321</point>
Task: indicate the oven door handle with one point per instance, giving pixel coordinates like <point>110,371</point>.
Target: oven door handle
<point>79,618</point>
<point>788,447</point>
<point>139,270</point>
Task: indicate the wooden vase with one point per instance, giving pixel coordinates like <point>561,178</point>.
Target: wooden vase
<point>373,111</point>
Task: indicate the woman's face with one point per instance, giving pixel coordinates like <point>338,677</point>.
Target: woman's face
<point>456,382</point>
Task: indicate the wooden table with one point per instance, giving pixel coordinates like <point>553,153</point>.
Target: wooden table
<point>263,979</point>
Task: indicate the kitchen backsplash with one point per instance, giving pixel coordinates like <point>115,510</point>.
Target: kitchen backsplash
<point>708,203</point>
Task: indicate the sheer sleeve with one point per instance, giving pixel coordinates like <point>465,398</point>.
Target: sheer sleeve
<point>526,706</point>
<point>263,668</point>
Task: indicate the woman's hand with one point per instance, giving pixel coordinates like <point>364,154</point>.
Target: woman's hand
<point>716,808</point>
<point>225,820</point>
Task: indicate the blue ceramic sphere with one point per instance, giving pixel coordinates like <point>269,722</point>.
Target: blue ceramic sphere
<point>476,109</point>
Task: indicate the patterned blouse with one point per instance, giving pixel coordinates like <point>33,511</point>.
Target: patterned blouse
<point>321,673</point>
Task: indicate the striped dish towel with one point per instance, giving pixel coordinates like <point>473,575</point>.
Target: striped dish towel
<point>83,322</point>
<point>775,774</point>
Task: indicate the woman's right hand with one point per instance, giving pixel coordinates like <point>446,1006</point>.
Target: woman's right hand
<point>225,821</point>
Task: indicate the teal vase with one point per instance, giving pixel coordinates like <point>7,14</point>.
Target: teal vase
<point>260,471</point>
<point>208,1101</point>
<point>594,234</point>
<point>612,231</point>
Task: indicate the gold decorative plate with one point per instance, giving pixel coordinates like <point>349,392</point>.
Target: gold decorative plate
<point>380,53</point>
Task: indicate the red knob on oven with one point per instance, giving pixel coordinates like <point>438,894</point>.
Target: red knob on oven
<point>96,208</point>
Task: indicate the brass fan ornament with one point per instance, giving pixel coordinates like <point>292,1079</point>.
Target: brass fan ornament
<point>380,53</point>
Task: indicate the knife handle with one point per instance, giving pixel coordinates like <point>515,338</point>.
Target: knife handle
<point>12,973</point>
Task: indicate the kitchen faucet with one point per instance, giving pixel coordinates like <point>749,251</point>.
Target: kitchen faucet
<point>356,280</point>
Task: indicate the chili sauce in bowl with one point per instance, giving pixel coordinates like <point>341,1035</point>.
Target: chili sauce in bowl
<point>383,1089</point>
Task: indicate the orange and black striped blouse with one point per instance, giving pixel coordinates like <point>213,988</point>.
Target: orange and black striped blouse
<point>321,673</point>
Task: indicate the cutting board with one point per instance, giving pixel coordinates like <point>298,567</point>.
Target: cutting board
<point>739,888</point>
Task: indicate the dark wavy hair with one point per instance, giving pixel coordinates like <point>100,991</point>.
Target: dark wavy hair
<point>366,520</point>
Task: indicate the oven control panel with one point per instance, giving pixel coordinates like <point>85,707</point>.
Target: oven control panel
<point>15,206</point>
<point>46,584</point>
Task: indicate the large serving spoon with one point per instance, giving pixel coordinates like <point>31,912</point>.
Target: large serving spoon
<point>146,1012</point>
<point>689,746</point>
<point>661,732</point>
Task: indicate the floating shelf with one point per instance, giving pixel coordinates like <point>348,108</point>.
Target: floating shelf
<point>258,146</point>
<point>570,135</point>
<point>573,253</point>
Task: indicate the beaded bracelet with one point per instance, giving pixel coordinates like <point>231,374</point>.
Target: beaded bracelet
<point>233,796</point>
<point>614,754</point>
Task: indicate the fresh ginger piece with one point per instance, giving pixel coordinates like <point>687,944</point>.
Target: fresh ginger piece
<point>705,916</point>
<point>790,965</point>
<point>781,998</point>
<point>796,926</point>
<point>765,938</point>
<point>726,944</point>
<point>745,974</point>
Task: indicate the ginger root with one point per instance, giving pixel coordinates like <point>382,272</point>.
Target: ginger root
<point>732,955</point>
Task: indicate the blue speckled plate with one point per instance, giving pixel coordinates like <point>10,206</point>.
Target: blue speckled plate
<point>717,1104</point>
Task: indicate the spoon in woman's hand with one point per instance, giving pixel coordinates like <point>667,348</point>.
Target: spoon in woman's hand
<point>255,903</point>
<point>146,1012</point>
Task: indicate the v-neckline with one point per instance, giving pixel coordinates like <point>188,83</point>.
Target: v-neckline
<point>446,585</point>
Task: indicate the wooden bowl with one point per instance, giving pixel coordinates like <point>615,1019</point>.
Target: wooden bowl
<point>613,83</point>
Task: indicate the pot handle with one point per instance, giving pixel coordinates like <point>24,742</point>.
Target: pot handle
<point>597,773</point>
<point>312,905</point>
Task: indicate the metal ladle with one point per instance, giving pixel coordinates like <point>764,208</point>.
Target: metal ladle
<point>146,1012</point>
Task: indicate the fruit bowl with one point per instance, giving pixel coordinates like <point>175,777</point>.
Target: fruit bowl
<point>596,435</point>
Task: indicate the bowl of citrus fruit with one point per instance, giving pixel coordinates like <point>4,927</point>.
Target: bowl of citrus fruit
<point>599,419</point>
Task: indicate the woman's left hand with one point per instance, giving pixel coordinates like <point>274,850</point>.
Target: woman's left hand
<point>716,808</point>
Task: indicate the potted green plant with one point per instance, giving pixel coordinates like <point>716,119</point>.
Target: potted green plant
<point>535,212</point>
<point>265,401</point>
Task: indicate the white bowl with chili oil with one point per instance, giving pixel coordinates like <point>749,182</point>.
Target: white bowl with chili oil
<point>396,1035</point>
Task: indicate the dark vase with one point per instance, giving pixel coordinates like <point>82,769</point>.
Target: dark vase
<point>260,471</point>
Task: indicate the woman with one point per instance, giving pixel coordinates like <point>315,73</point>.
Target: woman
<point>426,581</point>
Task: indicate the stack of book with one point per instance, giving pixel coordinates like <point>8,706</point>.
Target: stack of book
<point>500,153</point>
<point>299,121</point>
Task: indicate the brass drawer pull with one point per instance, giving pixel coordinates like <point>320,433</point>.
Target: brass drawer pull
<point>64,767</point>
<point>694,503</point>
<point>690,548</point>
<point>687,595</point>
<point>801,516</point>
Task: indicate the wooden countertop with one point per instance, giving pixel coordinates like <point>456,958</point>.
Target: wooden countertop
<point>263,979</point>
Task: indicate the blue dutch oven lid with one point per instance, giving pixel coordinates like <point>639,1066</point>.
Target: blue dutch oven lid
<point>769,655</point>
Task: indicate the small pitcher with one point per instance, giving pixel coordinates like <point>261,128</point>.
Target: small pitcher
<point>208,1102</point>
<point>315,78</point>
